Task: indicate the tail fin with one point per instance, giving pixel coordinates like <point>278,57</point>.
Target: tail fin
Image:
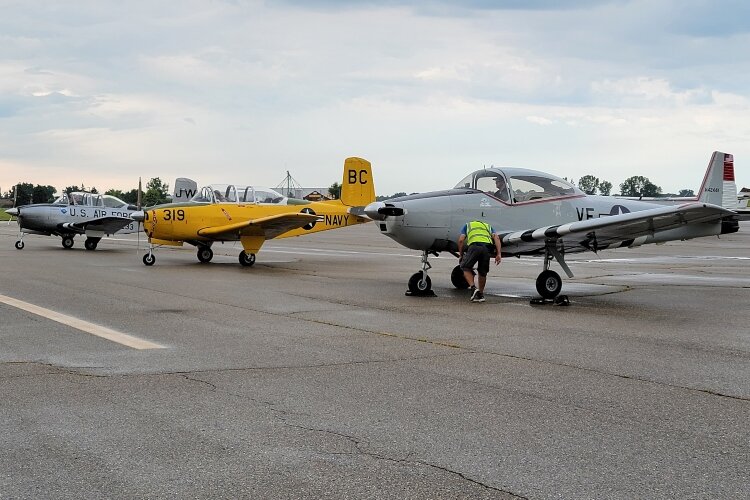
<point>357,187</point>
<point>184,189</point>
<point>718,186</point>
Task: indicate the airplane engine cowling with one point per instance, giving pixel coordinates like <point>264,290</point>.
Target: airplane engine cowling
<point>380,211</point>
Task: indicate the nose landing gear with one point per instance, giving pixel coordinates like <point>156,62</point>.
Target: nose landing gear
<point>420,284</point>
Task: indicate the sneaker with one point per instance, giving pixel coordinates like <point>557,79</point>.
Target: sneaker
<point>477,297</point>
<point>473,292</point>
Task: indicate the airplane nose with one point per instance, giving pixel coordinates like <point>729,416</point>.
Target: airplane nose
<point>378,210</point>
<point>138,216</point>
<point>12,211</point>
<point>371,210</point>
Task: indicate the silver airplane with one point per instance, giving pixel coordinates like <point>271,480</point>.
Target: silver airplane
<point>94,215</point>
<point>536,213</point>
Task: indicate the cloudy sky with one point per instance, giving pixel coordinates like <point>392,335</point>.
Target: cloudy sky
<point>100,93</point>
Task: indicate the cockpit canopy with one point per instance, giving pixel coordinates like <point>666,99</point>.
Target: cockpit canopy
<point>228,193</point>
<point>518,185</point>
<point>90,200</point>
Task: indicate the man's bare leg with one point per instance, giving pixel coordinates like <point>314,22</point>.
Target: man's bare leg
<point>469,277</point>
<point>482,281</point>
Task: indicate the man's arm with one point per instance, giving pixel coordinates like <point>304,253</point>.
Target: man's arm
<point>461,240</point>
<point>496,238</point>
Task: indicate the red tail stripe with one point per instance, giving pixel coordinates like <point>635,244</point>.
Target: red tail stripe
<point>729,168</point>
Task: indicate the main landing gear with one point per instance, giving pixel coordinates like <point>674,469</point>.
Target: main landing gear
<point>420,284</point>
<point>67,242</point>
<point>91,243</point>
<point>205,254</point>
<point>247,259</point>
<point>549,283</point>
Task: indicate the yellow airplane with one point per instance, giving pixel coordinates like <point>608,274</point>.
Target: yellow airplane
<point>221,213</point>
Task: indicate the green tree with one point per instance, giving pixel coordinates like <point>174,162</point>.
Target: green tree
<point>335,190</point>
<point>605,187</point>
<point>686,192</point>
<point>131,196</point>
<point>156,192</point>
<point>116,193</point>
<point>394,195</point>
<point>25,193</point>
<point>71,189</point>
<point>43,194</point>
<point>588,184</point>
<point>639,186</point>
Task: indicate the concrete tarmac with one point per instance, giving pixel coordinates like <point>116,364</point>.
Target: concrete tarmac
<point>312,375</point>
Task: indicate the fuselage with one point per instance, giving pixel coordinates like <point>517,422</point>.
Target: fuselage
<point>52,218</point>
<point>184,221</point>
<point>433,221</point>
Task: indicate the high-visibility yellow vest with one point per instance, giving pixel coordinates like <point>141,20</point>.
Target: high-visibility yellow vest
<point>478,232</point>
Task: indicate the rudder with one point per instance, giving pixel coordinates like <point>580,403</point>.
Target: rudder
<point>184,189</point>
<point>357,186</point>
<point>718,186</point>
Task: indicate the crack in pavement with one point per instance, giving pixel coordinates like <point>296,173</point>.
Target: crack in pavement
<point>359,444</point>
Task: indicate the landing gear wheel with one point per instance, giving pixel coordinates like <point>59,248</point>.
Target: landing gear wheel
<point>247,259</point>
<point>67,242</point>
<point>458,279</point>
<point>91,243</point>
<point>419,286</point>
<point>19,245</point>
<point>205,254</point>
<point>548,284</point>
<point>149,259</point>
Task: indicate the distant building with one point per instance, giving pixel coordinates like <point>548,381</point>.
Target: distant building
<point>309,194</point>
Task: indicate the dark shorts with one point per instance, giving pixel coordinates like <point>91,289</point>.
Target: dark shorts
<point>478,254</point>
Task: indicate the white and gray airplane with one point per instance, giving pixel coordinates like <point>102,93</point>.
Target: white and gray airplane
<point>536,213</point>
<point>94,215</point>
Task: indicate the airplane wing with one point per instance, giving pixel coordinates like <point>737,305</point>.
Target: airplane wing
<point>106,225</point>
<point>270,227</point>
<point>614,230</point>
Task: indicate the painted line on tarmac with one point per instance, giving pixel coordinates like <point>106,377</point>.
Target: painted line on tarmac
<point>79,324</point>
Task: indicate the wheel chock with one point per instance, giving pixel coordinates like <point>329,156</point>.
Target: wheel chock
<point>560,300</point>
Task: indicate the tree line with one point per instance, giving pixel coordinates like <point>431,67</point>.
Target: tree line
<point>25,193</point>
<point>636,185</point>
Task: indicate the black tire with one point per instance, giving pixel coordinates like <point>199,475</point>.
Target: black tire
<point>458,279</point>
<point>548,284</point>
<point>149,259</point>
<point>247,259</point>
<point>67,242</point>
<point>91,243</point>
<point>19,245</point>
<point>419,287</point>
<point>205,254</point>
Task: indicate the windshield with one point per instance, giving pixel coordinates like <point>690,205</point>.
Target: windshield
<point>62,200</point>
<point>113,202</point>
